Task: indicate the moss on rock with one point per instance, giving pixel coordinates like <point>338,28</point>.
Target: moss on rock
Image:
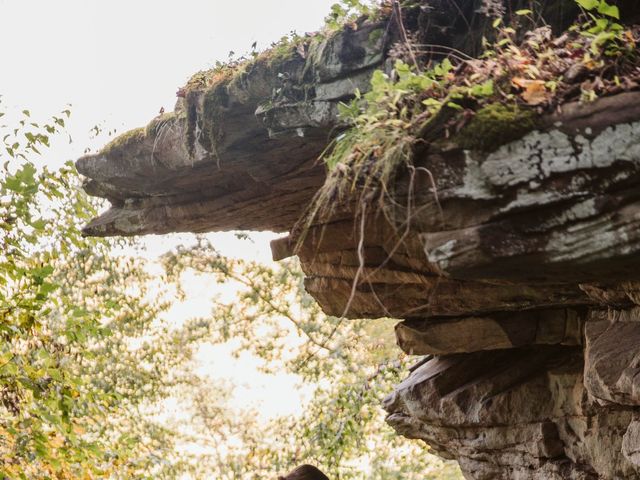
<point>494,125</point>
<point>121,142</point>
<point>215,100</point>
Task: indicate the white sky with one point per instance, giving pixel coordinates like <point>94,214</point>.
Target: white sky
<point>117,62</point>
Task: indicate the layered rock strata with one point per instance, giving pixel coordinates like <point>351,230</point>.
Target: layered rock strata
<point>518,283</point>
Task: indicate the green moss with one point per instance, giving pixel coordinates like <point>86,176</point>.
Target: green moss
<point>204,81</point>
<point>121,142</point>
<point>199,80</point>
<point>376,37</point>
<point>494,125</point>
<point>276,55</point>
<point>213,85</point>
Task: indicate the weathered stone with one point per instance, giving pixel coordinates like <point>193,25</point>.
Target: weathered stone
<point>237,148</point>
<point>440,336</point>
<point>478,408</point>
<point>612,357</point>
<point>332,265</point>
<point>631,443</point>
<point>548,175</point>
<point>402,294</point>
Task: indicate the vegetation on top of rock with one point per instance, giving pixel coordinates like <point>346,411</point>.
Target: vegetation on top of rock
<point>289,48</point>
<point>122,141</point>
<point>423,103</point>
<point>349,11</point>
<point>345,12</point>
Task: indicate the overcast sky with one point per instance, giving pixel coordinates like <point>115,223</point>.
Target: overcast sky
<point>118,61</point>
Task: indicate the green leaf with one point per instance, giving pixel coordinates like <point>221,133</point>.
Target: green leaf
<point>609,10</point>
<point>47,288</point>
<point>588,4</point>
<point>39,224</point>
<point>431,102</point>
<point>601,25</point>
<point>483,90</point>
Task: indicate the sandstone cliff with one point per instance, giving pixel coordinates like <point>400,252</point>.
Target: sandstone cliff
<point>518,282</point>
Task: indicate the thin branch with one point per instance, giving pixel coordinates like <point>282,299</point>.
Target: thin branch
<point>248,283</point>
<point>397,11</point>
<point>435,46</point>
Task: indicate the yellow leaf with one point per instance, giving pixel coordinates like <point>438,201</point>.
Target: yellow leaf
<point>534,92</point>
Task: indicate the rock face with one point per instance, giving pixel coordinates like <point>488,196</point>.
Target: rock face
<point>519,282</point>
<point>236,146</point>
<point>524,294</point>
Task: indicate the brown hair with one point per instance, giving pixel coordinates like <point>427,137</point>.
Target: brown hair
<point>305,472</point>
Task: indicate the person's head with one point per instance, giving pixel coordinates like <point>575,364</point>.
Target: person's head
<point>305,472</point>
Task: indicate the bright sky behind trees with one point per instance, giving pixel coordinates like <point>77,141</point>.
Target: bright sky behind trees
<point>116,63</point>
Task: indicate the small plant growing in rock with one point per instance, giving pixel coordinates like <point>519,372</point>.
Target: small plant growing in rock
<point>601,28</point>
<point>519,76</point>
<point>348,11</point>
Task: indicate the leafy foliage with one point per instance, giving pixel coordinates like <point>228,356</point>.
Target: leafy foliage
<point>44,407</point>
<point>605,33</point>
<point>87,359</point>
<point>348,11</point>
<point>71,383</point>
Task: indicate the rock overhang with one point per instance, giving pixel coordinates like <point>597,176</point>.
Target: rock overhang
<point>523,290</point>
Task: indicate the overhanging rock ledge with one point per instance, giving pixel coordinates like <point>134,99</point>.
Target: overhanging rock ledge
<point>523,292</point>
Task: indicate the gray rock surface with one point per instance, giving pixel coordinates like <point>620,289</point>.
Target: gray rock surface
<point>238,146</point>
